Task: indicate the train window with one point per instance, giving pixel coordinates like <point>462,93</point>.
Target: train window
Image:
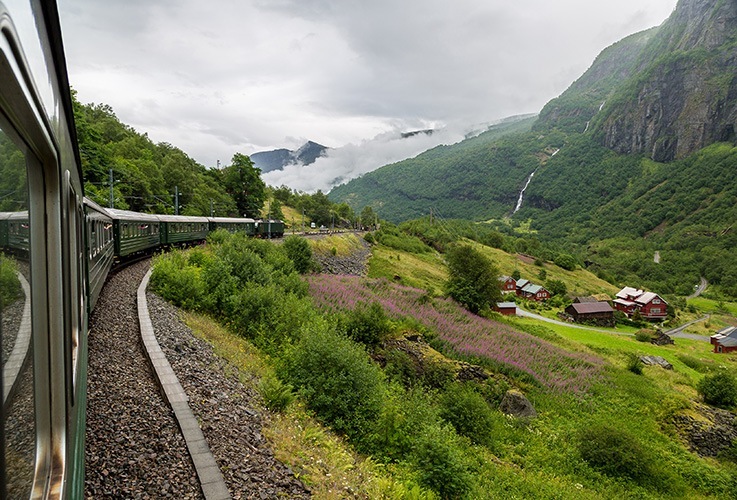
<point>18,424</point>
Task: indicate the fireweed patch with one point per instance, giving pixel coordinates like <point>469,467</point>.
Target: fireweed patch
<point>466,333</point>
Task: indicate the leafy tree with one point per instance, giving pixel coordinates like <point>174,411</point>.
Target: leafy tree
<point>243,182</point>
<point>368,216</point>
<point>556,287</point>
<point>474,279</point>
<point>300,252</point>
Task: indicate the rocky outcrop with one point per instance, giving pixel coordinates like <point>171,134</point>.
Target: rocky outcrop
<point>708,431</point>
<point>516,404</point>
<point>683,96</point>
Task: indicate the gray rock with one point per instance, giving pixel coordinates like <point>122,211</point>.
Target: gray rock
<point>656,361</point>
<point>515,403</point>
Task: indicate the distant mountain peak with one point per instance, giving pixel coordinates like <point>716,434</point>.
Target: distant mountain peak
<point>277,159</point>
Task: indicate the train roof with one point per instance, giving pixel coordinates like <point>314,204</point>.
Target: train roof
<point>182,218</point>
<point>94,206</point>
<point>236,220</point>
<point>119,214</point>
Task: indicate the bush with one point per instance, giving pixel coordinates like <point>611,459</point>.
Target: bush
<point>300,253</point>
<point>336,378</point>
<point>719,389</point>
<point>441,463</point>
<point>614,452</point>
<point>368,324</point>
<point>178,282</point>
<point>644,335</point>
<point>634,364</point>
<point>468,412</point>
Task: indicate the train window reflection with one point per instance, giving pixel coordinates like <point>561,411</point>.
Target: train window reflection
<point>18,426</point>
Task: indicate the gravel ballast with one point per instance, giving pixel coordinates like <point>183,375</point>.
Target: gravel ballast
<point>134,448</point>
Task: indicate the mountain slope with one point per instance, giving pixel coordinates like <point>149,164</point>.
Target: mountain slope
<point>279,158</point>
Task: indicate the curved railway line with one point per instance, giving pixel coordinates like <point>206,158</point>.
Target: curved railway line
<point>136,445</point>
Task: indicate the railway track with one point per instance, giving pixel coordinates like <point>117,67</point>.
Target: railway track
<point>134,448</point>
<point>134,445</point>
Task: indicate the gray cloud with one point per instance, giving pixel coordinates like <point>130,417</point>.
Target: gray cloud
<point>219,77</point>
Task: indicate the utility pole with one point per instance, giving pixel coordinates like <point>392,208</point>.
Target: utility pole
<point>212,212</point>
<point>176,200</point>
<point>269,215</point>
<point>112,195</point>
<point>303,221</point>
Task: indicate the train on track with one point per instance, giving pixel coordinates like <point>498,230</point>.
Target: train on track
<point>62,247</point>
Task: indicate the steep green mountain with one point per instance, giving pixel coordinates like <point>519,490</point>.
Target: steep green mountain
<point>474,179</point>
<point>637,156</point>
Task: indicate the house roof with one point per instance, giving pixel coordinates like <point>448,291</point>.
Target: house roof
<point>521,283</point>
<point>592,307</point>
<point>506,305</point>
<point>628,291</point>
<point>505,278</point>
<point>725,333</point>
<point>648,297</point>
<point>626,303</point>
<point>531,288</point>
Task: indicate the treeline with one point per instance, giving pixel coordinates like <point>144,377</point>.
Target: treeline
<point>153,177</point>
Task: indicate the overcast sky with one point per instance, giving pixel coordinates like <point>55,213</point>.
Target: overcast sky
<point>221,77</point>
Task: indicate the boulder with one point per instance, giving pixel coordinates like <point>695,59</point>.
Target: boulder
<point>516,404</point>
<point>656,361</point>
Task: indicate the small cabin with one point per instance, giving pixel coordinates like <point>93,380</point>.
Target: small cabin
<point>506,308</point>
<point>725,340</point>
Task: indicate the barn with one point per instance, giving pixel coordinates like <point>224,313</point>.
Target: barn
<point>600,313</point>
<point>506,308</point>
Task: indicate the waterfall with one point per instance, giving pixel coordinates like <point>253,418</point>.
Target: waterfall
<point>521,193</point>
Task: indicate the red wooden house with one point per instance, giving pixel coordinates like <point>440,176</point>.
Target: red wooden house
<point>507,284</point>
<point>506,308</point>
<point>533,292</point>
<point>725,340</point>
<point>650,305</point>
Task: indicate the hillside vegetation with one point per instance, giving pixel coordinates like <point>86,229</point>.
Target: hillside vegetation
<point>410,378</point>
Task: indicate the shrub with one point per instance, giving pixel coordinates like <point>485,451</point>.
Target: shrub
<point>277,395</point>
<point>441,463</point>
<point>369,238</point>
<point>368,324</point>
<point>300,253</point>
<point>468,412</point>
<point>719,389</point>
<point>565,261</point>
<point>178,282</point>
<point>634,364</point>
<point>336,378</point>
<point>643,335</point>
<point>615,452</point>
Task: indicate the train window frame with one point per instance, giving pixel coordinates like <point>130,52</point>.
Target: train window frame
<point>29,118</point>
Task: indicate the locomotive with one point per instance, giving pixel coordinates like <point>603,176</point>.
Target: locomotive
<point>63,247</point>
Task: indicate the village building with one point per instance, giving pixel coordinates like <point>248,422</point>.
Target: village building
<point>506,308</point>
<point>725,340</point>
<point>600,313</point>
<point>507,284</point>
<point>533,292</point>
<point>649,304</point>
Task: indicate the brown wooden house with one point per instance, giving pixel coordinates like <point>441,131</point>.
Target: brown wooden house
<point>600,313</point>
<point>506,308</point>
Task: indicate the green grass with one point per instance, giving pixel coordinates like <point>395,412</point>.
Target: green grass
<point>426,271</point>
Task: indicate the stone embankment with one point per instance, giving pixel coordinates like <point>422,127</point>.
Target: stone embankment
<point>355,264</point>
